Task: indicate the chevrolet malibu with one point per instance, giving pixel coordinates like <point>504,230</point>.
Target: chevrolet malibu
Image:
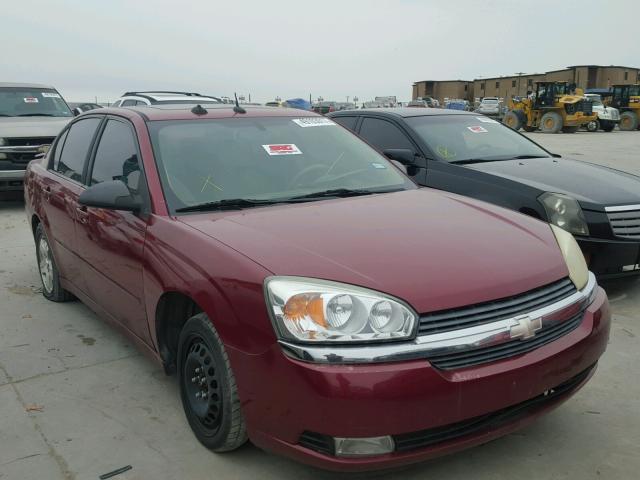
<point>308,295</point>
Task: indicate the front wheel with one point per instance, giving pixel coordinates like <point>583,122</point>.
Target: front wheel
<point>49,275</point>
<point>551,122</point>
<point>593,126</point>
<point>628,121</point>
<point>208,387</point>
<point>512,120</point>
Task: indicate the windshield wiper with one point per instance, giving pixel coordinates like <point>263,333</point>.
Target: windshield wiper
<point>36,115</point>
<point>496,159</point>
<point>228,204</point>
<point>4,115</point>
<point>342,192</point>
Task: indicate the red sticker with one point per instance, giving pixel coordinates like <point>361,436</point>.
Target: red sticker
<point>282,149</point>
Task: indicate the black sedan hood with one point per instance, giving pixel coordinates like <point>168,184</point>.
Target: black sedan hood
<point>592,185</point>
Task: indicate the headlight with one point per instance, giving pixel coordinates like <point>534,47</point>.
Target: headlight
<point>578,271</point>
<point>3,141</point>
<point>565,212</point>
<point>311,310</point>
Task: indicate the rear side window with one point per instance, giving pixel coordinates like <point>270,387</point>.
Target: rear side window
<point>347,122</point>
<point>128,103</point>
<point>76,148</point>
<point>117,156</point>
<point>382,134</point>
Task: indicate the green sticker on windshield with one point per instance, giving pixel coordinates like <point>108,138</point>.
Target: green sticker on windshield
<point>445,153</point>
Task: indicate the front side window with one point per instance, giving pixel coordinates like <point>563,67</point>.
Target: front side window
<point>75,150</point>
<point>32,102</point>
<point>129,103</point>
<point>467,138</point>
<point>117,156</point>
<point>347,122</point>
<point>382,134</point>
<point>271,158</point>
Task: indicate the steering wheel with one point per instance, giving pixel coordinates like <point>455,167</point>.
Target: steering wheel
<point>295,181</point>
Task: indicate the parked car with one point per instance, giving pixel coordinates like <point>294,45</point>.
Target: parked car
<point>283,283</point>
<point>31,115</point>
<point>474,155</point>
<point>78,108</point>
<point>274,104</point>
<point>608,117</point>
<point>345,106</point>
<point>490,106</point>
<point>132,99</point>
<point>417,104</point>
<point>325,107</point>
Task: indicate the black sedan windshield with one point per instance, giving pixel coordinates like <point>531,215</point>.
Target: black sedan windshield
<point>465,138</point>
<point>259,159</point>
<point>28,102</point>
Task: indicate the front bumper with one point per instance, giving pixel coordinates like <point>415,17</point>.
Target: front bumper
<point>11,180</point>
<point>283,398</point>
<point>611,258</point>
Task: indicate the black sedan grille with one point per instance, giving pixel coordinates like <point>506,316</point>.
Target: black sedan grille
<point>625,223</point>
<point>487,312</point>
<point>432,436</point>
<point>477,356</point>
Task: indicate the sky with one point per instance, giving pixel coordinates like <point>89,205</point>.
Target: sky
<point>297,48</point>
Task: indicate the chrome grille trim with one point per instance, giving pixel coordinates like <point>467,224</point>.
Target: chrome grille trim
<point>625,220</point>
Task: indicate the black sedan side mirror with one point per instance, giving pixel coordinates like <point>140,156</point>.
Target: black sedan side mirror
<point>112,195</point>
<point>402,155</point>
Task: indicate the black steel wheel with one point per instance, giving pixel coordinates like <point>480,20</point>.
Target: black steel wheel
<point>208,388</point>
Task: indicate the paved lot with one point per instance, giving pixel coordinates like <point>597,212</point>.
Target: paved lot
<point>76,400</point>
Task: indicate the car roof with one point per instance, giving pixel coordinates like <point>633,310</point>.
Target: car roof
<point>402,112</point>
<point>24,85</point>
<point>160,96</point>
<point>183,111</point>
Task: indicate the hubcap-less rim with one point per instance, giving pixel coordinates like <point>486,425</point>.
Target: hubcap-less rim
<point>45,263</point>
<point>202,386</point>
<point>548,123</point>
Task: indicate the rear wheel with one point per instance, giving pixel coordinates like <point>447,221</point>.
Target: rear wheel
<point>513,120</point>
<point>628,121</point>
<point>49,275</point>
<point>551,122</point>
<point>608,126</point>
<point>208,387</point>
<point>570,129</point>
<point>593,126</point>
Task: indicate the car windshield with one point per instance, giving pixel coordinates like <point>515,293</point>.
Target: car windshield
<point>273,158</point>
<point>27,102</point>
<point>470,138</point>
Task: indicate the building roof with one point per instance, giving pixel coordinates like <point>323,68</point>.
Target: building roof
<point>444,81</point>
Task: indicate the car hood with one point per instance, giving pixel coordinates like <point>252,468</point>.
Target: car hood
<point>11,127</point>
<point>432,249</point>
<point>592,185</point>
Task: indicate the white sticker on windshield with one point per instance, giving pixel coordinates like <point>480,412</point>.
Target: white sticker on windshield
<point>50,95</point>
<point>486,120</point>
<point>282,149</point>
<point>30,100</point>
<point>379,166</point>
<point>478,129</point>
<point>313,122</point>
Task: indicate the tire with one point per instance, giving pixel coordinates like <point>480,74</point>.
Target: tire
<point>49,274</point>
<point>593,126</point>
<point>570,129</point>
<point>512,120</point>
<point>551,122</point>
<point>628,121</point>
<point>608,126</point>
<point>216,419</point>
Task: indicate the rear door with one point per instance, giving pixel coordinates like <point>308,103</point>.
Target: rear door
<point>111,242</point>
<point>61,189</point>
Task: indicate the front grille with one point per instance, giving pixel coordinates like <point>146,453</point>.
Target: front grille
<point>487,312</point>
<point>317,442</point>
<point>625,223</point>
<point>411,441</point>
<point>19,160</point>
<point>477,356</point>
<point>29,141</point>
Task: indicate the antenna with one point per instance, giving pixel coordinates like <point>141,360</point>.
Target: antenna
<point>238,108</point>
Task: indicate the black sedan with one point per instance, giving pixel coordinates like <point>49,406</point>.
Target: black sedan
<point>476,156</point>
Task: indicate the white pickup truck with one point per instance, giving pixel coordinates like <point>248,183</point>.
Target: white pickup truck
<point>31,116</point>
<point>608,117</point>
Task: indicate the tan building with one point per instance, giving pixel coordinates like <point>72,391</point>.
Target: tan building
<point>584,76</point>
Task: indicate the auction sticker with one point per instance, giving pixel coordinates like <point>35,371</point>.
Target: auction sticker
<point>312,122</point>
<point>30,100</point>
<point>478,129</point>
<point>486,120</point>
<point>50,95</point>
<point>282,149</point>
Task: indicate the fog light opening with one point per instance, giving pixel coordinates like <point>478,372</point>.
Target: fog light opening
<point>363,447</point>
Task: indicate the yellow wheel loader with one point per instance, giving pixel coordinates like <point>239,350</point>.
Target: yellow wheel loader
<point>626,98</point>
<point>555,107</point>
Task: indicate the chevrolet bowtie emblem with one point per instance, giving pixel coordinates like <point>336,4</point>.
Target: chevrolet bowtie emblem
<point>525,327</point>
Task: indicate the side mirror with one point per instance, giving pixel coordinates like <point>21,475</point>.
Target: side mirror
<point>556,155</point>
<point>402,155</point>
<point>76,111</point>
<point>112,195</point>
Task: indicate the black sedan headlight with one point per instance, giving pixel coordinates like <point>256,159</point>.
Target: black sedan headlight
<point>565,212</point>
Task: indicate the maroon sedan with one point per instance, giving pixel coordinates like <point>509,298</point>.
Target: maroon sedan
<point>307,294</point>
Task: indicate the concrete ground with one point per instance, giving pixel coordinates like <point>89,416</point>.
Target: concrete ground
<point>77,400</point>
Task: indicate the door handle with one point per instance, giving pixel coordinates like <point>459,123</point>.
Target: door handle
<point>82,214</point>
<point>47,193</point>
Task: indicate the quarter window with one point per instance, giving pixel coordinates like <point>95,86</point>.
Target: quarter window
<point>117,156</point>
<point>128,103</point>
<point>347,122</point>
<point>58,149</point>
<point>76,148</point>
<point>382,134</point>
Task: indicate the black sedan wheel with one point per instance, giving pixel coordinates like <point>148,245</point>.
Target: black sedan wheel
<point>208,388</point>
